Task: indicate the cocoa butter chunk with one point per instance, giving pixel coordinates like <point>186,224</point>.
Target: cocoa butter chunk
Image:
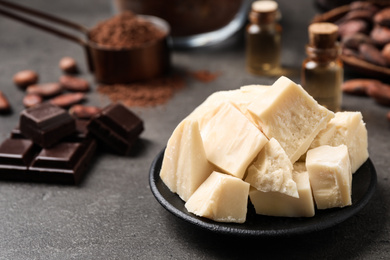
<point>383,17</point>
<point>74,83</point>
<point>372,54</point>
<point>221,197</point>
<point>68,65</point>
<point>25,78</point>
<point>45,90</point>
<point>330,176</point>
<point>380,35</point>
<point>116,127</point>
<point>5,107</point>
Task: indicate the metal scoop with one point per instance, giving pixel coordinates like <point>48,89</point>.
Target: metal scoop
<point>109,65</point>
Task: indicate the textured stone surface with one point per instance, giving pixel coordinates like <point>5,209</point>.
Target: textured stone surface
<point>113,214</point>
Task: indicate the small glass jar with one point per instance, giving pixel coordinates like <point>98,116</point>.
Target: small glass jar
<point>263,39</point>
<point>322,71</point>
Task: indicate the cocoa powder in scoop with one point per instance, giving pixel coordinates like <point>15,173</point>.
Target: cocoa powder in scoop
<point>125,30</point>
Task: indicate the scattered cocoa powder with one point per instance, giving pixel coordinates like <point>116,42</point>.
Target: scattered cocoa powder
<point>205,75</point>
<point>146,93</point>
<point>125,30</point>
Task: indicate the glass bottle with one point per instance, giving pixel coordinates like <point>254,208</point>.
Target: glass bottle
<point>263,39</point>
<point>322,71</point>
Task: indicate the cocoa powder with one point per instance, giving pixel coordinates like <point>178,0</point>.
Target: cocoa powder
<point>205,75</point>
<point>146,93</point>
<point>125,30</point>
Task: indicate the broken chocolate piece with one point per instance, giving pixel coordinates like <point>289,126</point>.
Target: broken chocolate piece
<point>46,124</point>
<point>15,158</point>
<point>64,163</point>
<point>117,127</point>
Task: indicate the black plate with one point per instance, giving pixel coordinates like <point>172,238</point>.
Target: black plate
<point>363,187</point>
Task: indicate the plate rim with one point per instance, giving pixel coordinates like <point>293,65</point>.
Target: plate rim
<point>231,229</point>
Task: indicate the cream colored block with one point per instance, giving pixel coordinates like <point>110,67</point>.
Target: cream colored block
<point>272,171</point>
<point>330,176</point>
<point>240,98</point>
<point>346,128</point>
<point>185,166</point>
<point>231,141</point>
<point>279,204</point>
<point>289,114</point>
<point>221,197</point>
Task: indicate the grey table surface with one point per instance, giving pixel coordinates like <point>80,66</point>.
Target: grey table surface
<point>113,214</point>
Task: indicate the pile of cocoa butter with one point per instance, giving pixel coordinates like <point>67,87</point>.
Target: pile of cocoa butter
<point>365,32</point>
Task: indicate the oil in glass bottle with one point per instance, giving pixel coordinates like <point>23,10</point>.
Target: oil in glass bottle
<point>322,71</point>
<point>263,39</point>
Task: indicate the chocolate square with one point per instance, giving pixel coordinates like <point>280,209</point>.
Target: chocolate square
<point>16,156</point>
<point>117,127</point>
<point>46,124</point>
<point>65,162</point>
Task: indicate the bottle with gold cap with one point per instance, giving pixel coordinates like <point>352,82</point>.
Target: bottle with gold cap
<point>322,71</point>
<point>263,39</point>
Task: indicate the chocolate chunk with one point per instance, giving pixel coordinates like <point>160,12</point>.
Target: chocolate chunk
<point>81,133</point>
<point>117,127</point>
<point>46,124</point>
<point>16,156</point>
<point>64,163</point>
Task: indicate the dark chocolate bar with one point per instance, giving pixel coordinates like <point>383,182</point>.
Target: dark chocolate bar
<point>46,124</point>
<point>78,136</point>
<point>16,156</point>
<point>117,127</point>
<point>64,162</point>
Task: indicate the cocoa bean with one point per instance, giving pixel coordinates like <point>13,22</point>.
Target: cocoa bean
<point>363,14</point>
<point>74,84</point>
<point>68,99</point>
<point>5,107</point>
<point>380,35</point>
<point>45,90</point>
<point>380,93</point>
<point>31,100</point>
<point>359,86</point>
<point>386,53</point>
<point>68,65</point>
<point>383,17</point>
<point>388,116</point>
<point>372,54</point>
<point>363,5</point>
<point>353,41</point>
<point>350,52</point>
<point>352,27</point>
<point>25,78</point>
<point>84,112</point>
